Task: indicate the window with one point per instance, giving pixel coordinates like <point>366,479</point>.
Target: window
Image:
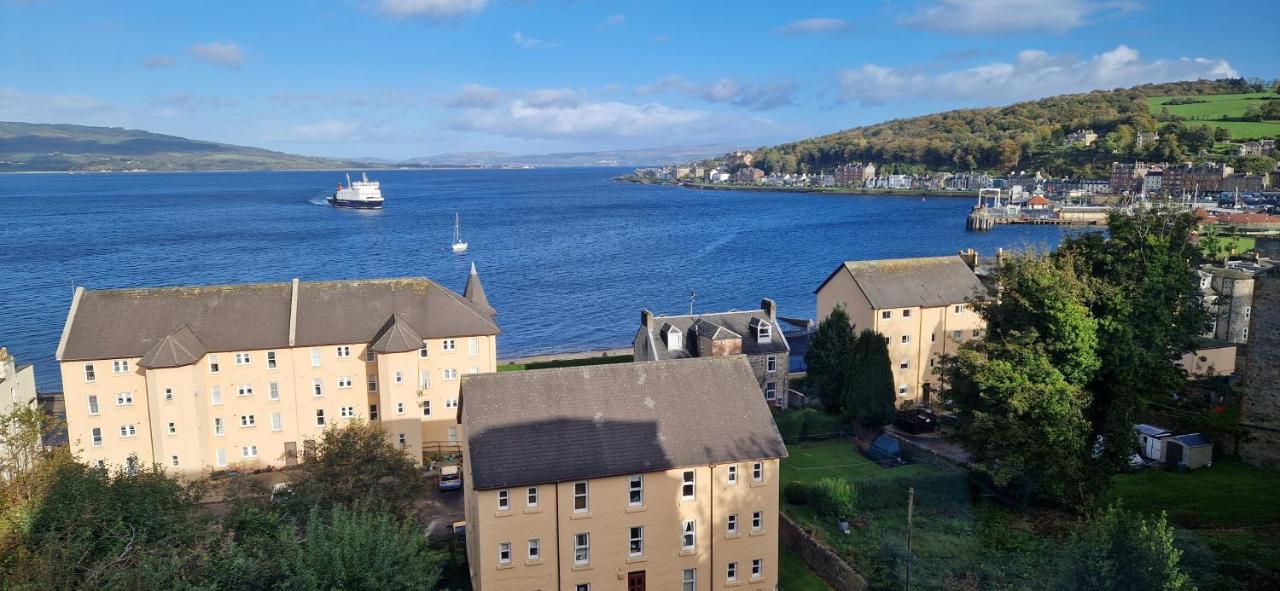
<point>403,442</point>
<point>245,390</point>
<point>373,384</point>
<point>124,398</point>
<point>317,387</point>
<point>581,549</point>
<point>89,374</point>
<point>733,523</point>
<point>215,395</point>
<point>271,359</point>
<point>977,333</point>
<point>904,364</point>
<point>172,428</point>
<point>771,364</point>
<point>689,580</point>
<point>450,374</point>
<point>732,572</point>
<point>426,408</point>
<point>531,497</point>
<point>580,497</point>
<point>1244,335</point>
<point>249,451</point>
<point>933,337</point>
<point>535,549</point>
<point>902,390</point>
<point>242,359</point>
<point>93,404</point>
<point>128,430</point>
<point>770,391</point>
<point>449,344</point>
<point>473,346</point>
<point>214,366</point>
<point>248,421</point>
<point>344,383</point>
<point>273,391</point>
<point>504,500</point>
<point>906,338</point>
<point>451,403</point>
<point>635,543</point>
<point>635,496</point>
<point>582,587</point>
<point>96,434</point>
<point>957,334</point>
<point>218,428</point>
<point>399,408</point>
<point>452,434</point>
<point>173,460</point>
<point>764,332</point>
<point>320,417</point>
<point>120,366</point>
<point>344,351</point>
<point>422,351</point>
<point>347,412</point>
<point>399,377</point>
<point>473,370</point>
<point>757,471</point>
<point>906,313</point>
<point>757,568</point>
<point>686,485</point>
<point>168,394</point>
<point>688,535</point>
<point>1247,310</point>
<point>368,355</point>
<point>315,357</point>
<point>221,457</point>
<point>757,521</point>
<point>958,309</point>
<point>733,474</point>
<point>424,379</point>
<point>886,314</point>
<point>373,412</point>
<point>277,422</point>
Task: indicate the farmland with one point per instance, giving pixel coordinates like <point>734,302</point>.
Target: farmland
<point>1221,110</point>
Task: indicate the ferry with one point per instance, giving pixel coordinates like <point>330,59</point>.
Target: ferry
<point>362,194</point>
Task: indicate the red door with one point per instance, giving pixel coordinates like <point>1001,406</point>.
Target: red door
<point>635,581</point>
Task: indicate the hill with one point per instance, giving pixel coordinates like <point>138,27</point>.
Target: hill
<point>635,157</point>
<point>1023,136</point>
<point>1226,111</point>
<point>28,147</point>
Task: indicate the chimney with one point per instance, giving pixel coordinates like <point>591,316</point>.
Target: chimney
<point>770,309</point>
<point>970,257</point>
<point>646,319</point>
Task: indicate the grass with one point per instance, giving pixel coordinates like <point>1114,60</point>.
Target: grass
<point>810,461</point>
<point>795,575</point>
<point>566,363</point>
<point>1222,110</point>
<point>1241,244</point>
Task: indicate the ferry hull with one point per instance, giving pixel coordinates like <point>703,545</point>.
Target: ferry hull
<point>354,204</point>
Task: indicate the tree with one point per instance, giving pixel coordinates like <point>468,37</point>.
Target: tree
<point>1257,164</point>
<point>828,357</point>
<point>1009,153</point>
<point>1211,244</point>
<point>352,464</point>
<point>22,434</point>
<point>1221,134</point>
<point>358,549</point>
<point>1122,550</point>
<point>869,395</point>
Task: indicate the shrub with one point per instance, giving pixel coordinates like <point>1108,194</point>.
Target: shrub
<point>797,493</point>
<point>834,498</point>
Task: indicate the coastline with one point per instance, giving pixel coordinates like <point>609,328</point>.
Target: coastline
<point>819,190</point>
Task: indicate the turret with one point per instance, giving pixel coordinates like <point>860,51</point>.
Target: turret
<point>474,292</point>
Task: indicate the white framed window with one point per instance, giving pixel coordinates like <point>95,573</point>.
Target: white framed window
<point>221,460</point>
<point>906,338</point>
<point>906,313</point>
<point>218,427</point>
<point>124,398</point>
<point>373,383</point>
<point>344,351</point>
<point>770,391</point>
<point>689,580</point>
<point>120,366</point>
<point>319,417</point>
<point>347,412</point>
<point>687,488</point>
<point>89,374</point>
<point>957,334</point>
<point>271,359</point>
<point>902,390</point>
<point>277,422</point>
<point>904,364</point>
<point>424,379</point>
<point>344,383</point>
<point>504,553</point>
<point>733,523</point>
<point>473,346</point>
<point>886,314</point>
<point>95,434</point>
<point>373,412</point>
<point>1247,310</point>
<point>242,359</point>
<point>423,351</point>
<point>248,451</point>
<point>449,344</point>
<point>504,500</point>
<point>214,366</point>
<point>580,504</point>
<point>535,549</point>
<point>168,394</point>
<point>452,434</point>
<point>764,332</point>
<point>248,421</point>
<point>426,408</point>
<point>399,377</point>
<point>757,521</point>
<point>473,370</point>
<point>273,391</point>
<point>531,497</point>
<point>93,404</point>
<point>215,395</point>
<point>757,568</point>
<point>757,471</point>
<point>958,309</point>
<point>173,460</point>
<point>635,492</point>
<point>171,428</point>
<point>582,549</point>
<point>771,364</point>
<point>128,430</point>
<point>451,403</point>
<point>317,387</point>
<point>582,587</point>
<point>733,473</point>
<point>245,390</point>
<point>399,408</point>
<point>315,357</point>
<point>450,374</point>
<point>1244,335</point>
<point>688,535</point>
<point>731,573</point>
<point>635,541</point>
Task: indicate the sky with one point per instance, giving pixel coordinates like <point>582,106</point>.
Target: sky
<point>405,78</point>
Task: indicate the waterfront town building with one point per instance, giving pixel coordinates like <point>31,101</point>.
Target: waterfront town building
<point>754,333</point>
<point>632,476</point>
<point>1129,177</point>
<point>248,376</point>
<point>17,383</point>
<point>1081,136</point>
<point>1228,297</point>
<point>921,305</point>
<point>748,175</point>
<point>1198,178</point>
<point>854,174</point>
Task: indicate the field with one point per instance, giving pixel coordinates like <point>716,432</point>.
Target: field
<point>1222,110</point>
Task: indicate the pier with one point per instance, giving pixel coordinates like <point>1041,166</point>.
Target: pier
<point>993,210</point>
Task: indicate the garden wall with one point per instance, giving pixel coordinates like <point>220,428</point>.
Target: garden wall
<point>822,560</point>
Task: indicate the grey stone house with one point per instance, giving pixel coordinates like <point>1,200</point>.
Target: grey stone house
<point>753,333</point>
<point>1228,297</point>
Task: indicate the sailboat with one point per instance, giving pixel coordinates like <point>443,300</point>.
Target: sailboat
<point>458,244</point>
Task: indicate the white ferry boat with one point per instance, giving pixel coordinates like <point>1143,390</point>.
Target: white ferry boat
<point>362,194</point>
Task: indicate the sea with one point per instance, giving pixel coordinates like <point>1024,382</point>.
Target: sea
<point>568,256</point>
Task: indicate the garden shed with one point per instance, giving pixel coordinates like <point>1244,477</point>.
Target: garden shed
<point>1192,450</point>
<point>886,451</point>
<point>1151,441</point>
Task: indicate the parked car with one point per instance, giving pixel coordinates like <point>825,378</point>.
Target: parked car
<point>450,477</point>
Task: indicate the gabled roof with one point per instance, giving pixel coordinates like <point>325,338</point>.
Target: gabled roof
<point>396,336</point>
<point>565,424</point>
<point>716,326</point>
<point>714,331</point>
<point>927,282</point>
<point>178,348</point>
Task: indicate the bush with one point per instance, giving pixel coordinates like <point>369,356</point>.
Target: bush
<point>834,498</point>
<point>797,493</point>
<point>808,424</point>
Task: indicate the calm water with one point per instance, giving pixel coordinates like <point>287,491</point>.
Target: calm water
<point>567,257</point>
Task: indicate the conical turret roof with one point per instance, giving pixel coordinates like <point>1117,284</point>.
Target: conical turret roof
<point>396,336</point>
<point>474,292</point>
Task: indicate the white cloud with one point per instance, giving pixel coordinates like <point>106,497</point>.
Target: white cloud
<point>16,105</point>
<point>222,53</point>
<point>811,26</point>
<point>616,19</point>
<point>529,42</point>
<point>430,9</point>
<point>157,61</point>
<point>186,102</point>
<point>1033,74</point>
<point>759,97</point>
<point>982,17</point>
<point>474,96</point>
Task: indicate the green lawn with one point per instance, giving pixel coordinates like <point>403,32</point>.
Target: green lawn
<point>795,575</point>
<point>1220,111</point>
<point>1242,244</point>
<point>566,363</point>
<point>812,460</point>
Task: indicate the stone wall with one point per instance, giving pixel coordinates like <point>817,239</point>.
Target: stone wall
<point>1261,408</point>
<point>822,560</point>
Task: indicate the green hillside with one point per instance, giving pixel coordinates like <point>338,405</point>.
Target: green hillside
<point>53,147</point>
<point>1226,111</point>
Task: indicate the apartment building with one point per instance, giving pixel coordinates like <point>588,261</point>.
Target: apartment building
<point>753,333</point>
<point>921,305</point>
<point>633,476</point>
<point>248,376</point>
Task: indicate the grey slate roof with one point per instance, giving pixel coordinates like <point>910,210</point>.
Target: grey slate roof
<point>179,348</point>
<point>716,326</point>
<point>925,282</point>
<point>396,337</point>
<point>119,323</point>
<point>564,424</point>
<point>474,292</point>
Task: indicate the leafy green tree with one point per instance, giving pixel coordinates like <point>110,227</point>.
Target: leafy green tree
<point>358,549</point>
<point>869,394</point>
<point>353,464</point>
<point>827,359</point>
<point>1221,134</point>
<point>1257,164</point>
<point>1122,550</point>
<point>1211,244</point>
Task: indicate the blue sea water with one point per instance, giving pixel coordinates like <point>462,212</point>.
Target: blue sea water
<point>567,256</point>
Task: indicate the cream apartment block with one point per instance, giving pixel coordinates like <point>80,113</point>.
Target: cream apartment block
<point>921,305</point>
<point>656,475</point>
<point>248,376</point>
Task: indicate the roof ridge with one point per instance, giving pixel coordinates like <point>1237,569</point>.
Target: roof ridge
<point>543,370</point>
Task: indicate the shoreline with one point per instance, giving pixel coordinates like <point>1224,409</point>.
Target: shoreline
<point>818,190</point>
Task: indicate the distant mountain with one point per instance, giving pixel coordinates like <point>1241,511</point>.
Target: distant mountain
<point>641,157</point>
<point>58,147</point>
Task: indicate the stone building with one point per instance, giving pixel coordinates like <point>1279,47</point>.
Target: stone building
<point>1228,297</point>
<point>854,174</point>
<point>1260,413</point>
<point>17,383</point>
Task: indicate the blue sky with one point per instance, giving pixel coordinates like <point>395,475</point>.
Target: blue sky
<point>404,78</point>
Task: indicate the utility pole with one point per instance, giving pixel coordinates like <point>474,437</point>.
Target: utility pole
<point>911,504</point>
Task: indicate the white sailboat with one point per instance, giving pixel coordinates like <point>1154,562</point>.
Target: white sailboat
<point>458,244</point>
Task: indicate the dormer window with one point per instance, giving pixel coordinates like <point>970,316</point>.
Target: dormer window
<point>764,332</point>
<point>675,339</point>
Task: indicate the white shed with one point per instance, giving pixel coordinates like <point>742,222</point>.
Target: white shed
<point>1151,441</point>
